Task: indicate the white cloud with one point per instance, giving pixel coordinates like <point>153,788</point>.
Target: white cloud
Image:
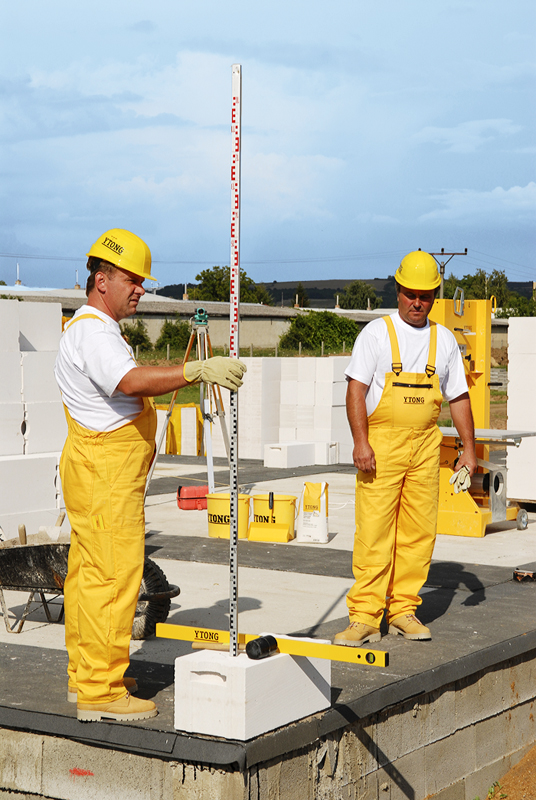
<point>467,137</point>
<point>286,187</point>
<point>505,206</point>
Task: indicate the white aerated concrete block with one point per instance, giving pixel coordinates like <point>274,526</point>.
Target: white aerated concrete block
<point>188,432</point>
<point>306,370</point>
<point>46,427</point>
<point>160,422</point>
<point>330,417</point>
<point>287,416</point>
<point>289,392</point>
<point>236,697</point>
<point>306,393</point>
<point>9,326</point>
<point>38,381</point>
<point>331,369</point>
<point>326,453</point>
<point>289,454</point>
<point>521,410</point>
<point>288,369</point>
<point>346,453</point>
<point>29,483</point>
<point>10,375</point>
<point>305,417</point>
<point>286,435</point>
<point>33,520</point>
<point>11,427</point>
<point>39,326</point>
<point>330,394</point>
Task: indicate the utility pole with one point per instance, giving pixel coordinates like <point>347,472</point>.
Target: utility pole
<point>443,264</point>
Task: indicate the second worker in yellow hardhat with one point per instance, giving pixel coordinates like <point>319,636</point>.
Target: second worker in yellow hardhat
<point>402,367</point>
<point>109,448</point>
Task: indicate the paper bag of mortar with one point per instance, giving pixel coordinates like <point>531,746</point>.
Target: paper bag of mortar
<point>313,514</point>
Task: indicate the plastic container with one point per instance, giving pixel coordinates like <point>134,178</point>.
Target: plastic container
<point>218,507</point>
<point>192,498</point>
<point>274,524</point>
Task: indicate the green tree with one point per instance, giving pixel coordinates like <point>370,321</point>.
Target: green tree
<point>517,306</point>
<point>3,283</point>
<point>214,284</point>
<point>357,294</point>
<point>301,293</point>
<point>136,335</point>
<point>315,327</point>
<point>176,334</point>
<point>480,286</point>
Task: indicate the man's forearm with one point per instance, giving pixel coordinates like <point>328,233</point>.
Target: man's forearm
<point>152,381</point>
<point>462,416</point>
<point>356,409</point>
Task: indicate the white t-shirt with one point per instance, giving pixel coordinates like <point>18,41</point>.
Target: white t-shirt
<point>371,357</point>
<point>92,359</point>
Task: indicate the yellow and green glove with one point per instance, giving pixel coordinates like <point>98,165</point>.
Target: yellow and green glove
<point>226,372</point>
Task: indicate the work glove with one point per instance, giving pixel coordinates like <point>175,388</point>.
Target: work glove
<point>461,480</point>
<point>226,372</point>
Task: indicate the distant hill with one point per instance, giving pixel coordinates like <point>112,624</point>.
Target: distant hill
<point>322,293</point>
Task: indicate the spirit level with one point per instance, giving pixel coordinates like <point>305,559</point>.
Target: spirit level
<point>291,646</point>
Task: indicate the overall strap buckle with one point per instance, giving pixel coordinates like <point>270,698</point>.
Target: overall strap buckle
<point>430,370</point>
<point>396,366</point>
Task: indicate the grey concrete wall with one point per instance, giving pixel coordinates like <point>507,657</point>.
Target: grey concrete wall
<point>261,333</point>
<point>451,744</point>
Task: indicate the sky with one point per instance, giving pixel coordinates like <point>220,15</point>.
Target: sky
<point>368,130</point>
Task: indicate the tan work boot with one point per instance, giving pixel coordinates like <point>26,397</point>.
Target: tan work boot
<point>356,634</point>
<point>72,694</point>
<point>126,708</point>
<point>409,627</point>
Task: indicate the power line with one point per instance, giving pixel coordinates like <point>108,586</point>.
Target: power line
<point>215,261</point>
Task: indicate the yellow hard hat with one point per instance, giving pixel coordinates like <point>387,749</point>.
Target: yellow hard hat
<point>418,270</point>
<point>124,250</point>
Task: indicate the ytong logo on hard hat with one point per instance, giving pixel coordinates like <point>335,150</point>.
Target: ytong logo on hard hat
<point>115,246</point>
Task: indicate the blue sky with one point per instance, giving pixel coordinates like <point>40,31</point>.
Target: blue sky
<point>369,130</point>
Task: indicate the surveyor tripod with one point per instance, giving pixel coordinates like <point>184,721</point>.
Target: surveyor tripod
<point>210,399</point>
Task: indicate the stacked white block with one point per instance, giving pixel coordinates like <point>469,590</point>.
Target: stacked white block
<point>32,420</point>
<point>313,408</point>
<point>258,409</point>
<point>521,483</point>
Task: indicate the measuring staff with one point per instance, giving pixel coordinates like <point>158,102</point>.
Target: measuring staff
<point>402,367</point>
<point>110,444</point>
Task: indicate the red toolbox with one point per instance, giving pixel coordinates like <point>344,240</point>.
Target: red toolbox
<point>192,498</point>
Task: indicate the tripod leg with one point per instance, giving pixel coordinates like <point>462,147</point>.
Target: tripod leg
<point>220,409</point>
<point>168,417</point>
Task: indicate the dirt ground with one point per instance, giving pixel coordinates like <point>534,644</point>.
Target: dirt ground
<point>519,783</point>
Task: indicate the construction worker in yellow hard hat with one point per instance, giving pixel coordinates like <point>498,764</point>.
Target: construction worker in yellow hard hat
<point>104,465</point>
<point>402,368</point>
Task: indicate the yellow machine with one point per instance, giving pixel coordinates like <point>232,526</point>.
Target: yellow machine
<point>468,513</point>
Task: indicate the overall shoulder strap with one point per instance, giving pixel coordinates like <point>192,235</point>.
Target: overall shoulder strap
<point>83,316</point>
<point>396,364</point>
<point>430,366</point>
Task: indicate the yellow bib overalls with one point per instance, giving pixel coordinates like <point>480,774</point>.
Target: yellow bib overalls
<point>103,479</point>
<point>396,506</point>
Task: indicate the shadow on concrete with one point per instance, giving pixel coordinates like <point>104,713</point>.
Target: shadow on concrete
<point>215,616</point>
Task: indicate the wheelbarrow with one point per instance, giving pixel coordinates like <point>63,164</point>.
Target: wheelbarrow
<point>41,570</point>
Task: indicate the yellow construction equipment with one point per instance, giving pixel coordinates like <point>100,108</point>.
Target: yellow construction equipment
<point>468,513</point>
<point>291,646</point>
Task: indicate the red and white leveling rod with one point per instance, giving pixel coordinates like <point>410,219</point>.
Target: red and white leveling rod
<point>234,351</point>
